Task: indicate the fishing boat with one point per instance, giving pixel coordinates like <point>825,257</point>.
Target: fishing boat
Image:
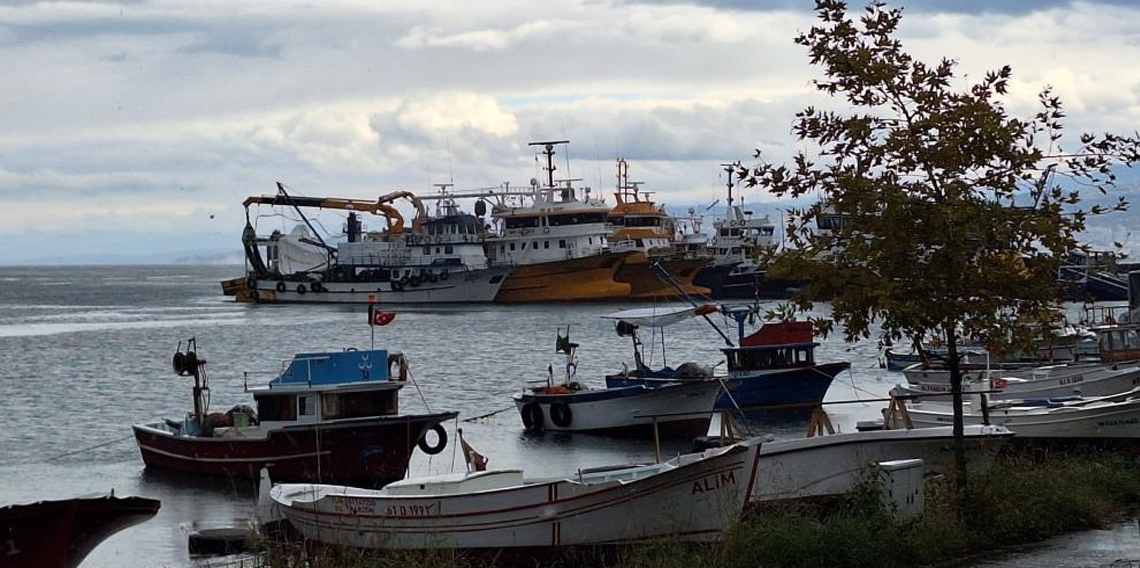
<point>740,240</point>
<point>640,225</point>
<point>680,409</point>
<point>439,260</point>
<point>1049,381</point>
<point>773,369</point>
<point>60,534</point>
<point>693,497</point>
<point>1076,418</point>
<point>821,466</point>
<point>328,416</point>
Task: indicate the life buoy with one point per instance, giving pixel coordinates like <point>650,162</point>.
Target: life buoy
<point>397,285</point>
<point>301,289</point>
<point>402,368</point>
<point>440,444</point>
<point>280,286</point>
<point>560,414</point>
<point>414,280</point>
<point>532,416</point>
<point>443,275</point>
<point>546,229</point>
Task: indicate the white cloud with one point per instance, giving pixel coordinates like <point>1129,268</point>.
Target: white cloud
<point>119,113</point>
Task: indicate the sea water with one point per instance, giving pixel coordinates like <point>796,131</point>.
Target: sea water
<point>85,352</point>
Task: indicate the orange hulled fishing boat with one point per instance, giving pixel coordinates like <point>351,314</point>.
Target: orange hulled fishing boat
<point>641,227</point>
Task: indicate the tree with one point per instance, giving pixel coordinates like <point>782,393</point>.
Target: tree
<point>955,215</point>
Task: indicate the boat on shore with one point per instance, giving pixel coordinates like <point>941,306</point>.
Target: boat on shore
<point>1115,417</point>
<point>693,497</point>
<point>1032,382</point>
<point>61,533</point>
<point>329,416</point>
<point>831,465</point>
<point>673,410</point>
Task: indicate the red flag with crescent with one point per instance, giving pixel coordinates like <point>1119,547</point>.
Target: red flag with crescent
<point>377,317</point>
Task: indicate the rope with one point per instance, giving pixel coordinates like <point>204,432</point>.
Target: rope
<point>53,458</point>
<point>488,415</point>
<point>417,385</point>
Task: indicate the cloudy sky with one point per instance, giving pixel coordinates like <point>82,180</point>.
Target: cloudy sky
<point>134,129</point>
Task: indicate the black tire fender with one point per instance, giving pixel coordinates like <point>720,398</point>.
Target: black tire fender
<point>532,416</point>
<point>280,286</point>
<point>560,414</point>
<point>429,449</point>
<point>301,289</point>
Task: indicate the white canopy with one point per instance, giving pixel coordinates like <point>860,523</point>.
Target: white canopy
<point>653,317</point>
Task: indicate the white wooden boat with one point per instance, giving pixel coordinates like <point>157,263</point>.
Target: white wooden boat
<point>693,497</point>
<point>1108,417</point>
<point>676,409</point>
<point>821,466</point>
<point>1042,382</point>
<point>681,409</point>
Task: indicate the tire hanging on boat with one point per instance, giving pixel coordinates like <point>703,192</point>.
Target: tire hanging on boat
<point>440,444</point>
<point>532,416</point>
<point>414,280</point>
<point>301,289</point>
<point>560,414</point>
<point>443,275</point>
<point>431,277</point>
<point>280,286</point>
<point>397,285</point>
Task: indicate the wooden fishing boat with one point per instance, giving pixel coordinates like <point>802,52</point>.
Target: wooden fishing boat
<point>677,410</point>
<point>693,497</point>
<point>60,534</point>
<point>773,369</point>
<point>820,466</point>
<point>1106,417</point>
<point>329,416</point>
<point>1033,382</point>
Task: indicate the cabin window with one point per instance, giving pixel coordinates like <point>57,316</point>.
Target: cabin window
<point>436,250</point>
<point>359,405</point>
<point>276,408</point>
<point>512,246</point>
<point>521,222</point>
<point>724,232</point>
<point>562,243</point>
<point>448,249</point>
<point>591,240</point>
<point>306,406</point>
<point>545,244</point>
<point>502,249</point>
<point>427,250</point>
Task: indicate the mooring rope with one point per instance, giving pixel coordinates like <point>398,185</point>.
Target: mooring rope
<point>96,446</point>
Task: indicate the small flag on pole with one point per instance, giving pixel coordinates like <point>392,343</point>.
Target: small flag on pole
<point>377,317</point>
<point>475,460</point>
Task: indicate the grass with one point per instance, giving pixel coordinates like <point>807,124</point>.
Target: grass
<point>1019,500</point>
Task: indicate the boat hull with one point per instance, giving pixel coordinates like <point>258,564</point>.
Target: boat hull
<point>728,281</point>
<point>1120,420</point>
<point>776,390</point>
<point>60,534</point>
<point>363,452</point>
<point>577,279</point>
<point>1081,381</point>
<point>678,410</point>
<point>645,283</point>
<point>694,501</point>
<point>468,286</point>
<point>824,466</point>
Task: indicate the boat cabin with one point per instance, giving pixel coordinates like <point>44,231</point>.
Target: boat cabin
<point>1119,343</point>
<point>334,385</point>
<point>782,345</point>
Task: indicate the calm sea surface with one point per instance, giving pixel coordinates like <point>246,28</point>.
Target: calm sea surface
<point>85,352</point>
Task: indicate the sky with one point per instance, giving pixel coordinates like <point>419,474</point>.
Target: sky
<point>133,130</point>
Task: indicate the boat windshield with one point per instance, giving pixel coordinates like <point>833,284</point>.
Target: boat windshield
<point>770,358</point>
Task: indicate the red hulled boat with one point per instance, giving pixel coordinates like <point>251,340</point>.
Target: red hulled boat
<point>60,534</point>
<point>330,417</point>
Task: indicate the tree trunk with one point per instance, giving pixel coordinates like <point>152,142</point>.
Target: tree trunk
<point>959,430</point>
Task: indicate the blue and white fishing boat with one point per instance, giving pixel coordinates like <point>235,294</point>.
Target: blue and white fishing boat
<point>772,369</point>
<point>682,409</point>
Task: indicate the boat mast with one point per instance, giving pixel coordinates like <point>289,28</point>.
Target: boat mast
<point>548,151</point>
<point>729,169</point>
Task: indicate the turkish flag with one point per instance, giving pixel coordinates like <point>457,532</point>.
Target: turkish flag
<point>377,317</point>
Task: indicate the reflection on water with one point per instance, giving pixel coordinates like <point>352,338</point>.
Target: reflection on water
<point>82,361</point>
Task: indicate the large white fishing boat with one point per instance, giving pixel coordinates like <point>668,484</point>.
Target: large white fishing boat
<point>439,260</point>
